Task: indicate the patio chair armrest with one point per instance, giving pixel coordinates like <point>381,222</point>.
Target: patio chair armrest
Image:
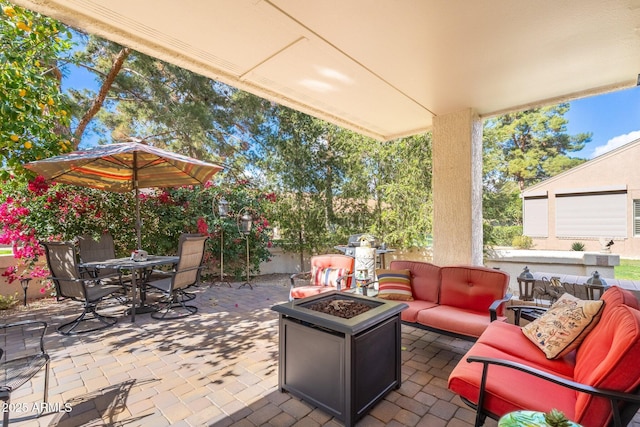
<point>614,397</point>
<point>339,280</point>
<point>36,325</point>
<point>493,308</point>
<point>295,276</point>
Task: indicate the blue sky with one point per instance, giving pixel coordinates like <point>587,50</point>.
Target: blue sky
<point>612,118</point>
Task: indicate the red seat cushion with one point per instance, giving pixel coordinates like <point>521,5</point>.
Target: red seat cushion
<point>456,320</point>
<point>307,291</point>
<point>411,313</point>
<point>508,389</point>
<point>509,339</point>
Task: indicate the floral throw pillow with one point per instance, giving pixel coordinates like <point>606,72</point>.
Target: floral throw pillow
<point>564,326</point>
<point>394,285</point>
<point>327,276</point>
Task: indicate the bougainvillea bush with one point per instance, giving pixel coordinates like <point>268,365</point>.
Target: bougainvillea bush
<point>39,211</point>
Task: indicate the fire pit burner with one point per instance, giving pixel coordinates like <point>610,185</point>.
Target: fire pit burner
<point>340,307</point>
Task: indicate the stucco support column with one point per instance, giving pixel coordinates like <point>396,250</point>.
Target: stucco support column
<point>457,189</point>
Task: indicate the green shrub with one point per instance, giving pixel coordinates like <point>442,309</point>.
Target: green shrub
<point>522,242</point>
<point>577,246</point>
<point>503,235</point>
<point>6,302</point>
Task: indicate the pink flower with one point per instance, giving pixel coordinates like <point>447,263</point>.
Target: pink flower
<point>203,228</point>
<point>38,185</point>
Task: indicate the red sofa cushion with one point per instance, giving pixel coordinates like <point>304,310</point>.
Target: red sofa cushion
<point>310,290</point>
<point>615,296</point>
<point>608,358</point>
<point>509,339</point>
<point>456,320</point>
<point>411,313</point>
<point>425,278</point>
<point>473,288</point>
<point>508,389</point>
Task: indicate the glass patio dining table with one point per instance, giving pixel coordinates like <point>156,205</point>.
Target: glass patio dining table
<point>136,267</point>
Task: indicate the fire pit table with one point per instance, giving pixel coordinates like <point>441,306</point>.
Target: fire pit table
<point>343,366</point>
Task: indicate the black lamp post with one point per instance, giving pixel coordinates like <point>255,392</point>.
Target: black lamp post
<point>245,221</point>
<point>223,213</point>
<point>526,283</point>
<point>24,282</point>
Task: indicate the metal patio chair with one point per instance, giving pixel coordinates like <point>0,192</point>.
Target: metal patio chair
<point>186,273</point>
<point>91,250</point>
<point>22,357</point>
<point>62,261</point>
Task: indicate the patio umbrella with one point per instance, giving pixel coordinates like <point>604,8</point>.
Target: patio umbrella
<point>124,167</point>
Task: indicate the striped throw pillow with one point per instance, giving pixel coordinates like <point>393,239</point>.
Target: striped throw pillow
<point>394,284</point>
<point>327,276</point>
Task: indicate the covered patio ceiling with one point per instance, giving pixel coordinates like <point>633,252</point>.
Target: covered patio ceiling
<point>383,68</point>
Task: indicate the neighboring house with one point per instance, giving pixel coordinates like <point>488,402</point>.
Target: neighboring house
<point>594,203</point>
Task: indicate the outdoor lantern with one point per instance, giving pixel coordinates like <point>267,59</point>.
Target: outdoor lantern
<point>24,282</point>
<point>526,282</point>
<point>595,283</point>
<point>223,208</point>
<point>246,220</point>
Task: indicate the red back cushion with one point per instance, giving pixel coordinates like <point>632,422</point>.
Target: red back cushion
<point>615,296</point>
<point>608,358</point>
<point>472,288</point>
<point>425,278</point>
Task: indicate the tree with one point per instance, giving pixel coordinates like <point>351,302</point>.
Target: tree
<point>521,149</point>
<point>531,145</point>
<point>332,183</point>
<point>144,98</point>
<point>34,112</point>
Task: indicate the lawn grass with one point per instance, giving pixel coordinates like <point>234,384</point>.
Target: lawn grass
<point>629,269</point>
<point>6,251</point>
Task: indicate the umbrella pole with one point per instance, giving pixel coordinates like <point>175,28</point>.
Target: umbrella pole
<point>137,191</point>
<point>138,225</point>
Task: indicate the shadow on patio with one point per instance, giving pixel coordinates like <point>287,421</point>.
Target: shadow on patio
<point>216,368</point>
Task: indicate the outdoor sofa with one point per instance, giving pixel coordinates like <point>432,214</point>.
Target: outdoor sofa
<point>459,300</point>
<point>505,371</point>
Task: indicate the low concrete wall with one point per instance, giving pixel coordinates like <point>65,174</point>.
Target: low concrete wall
<point>556,263</point>
<point>288,263</point>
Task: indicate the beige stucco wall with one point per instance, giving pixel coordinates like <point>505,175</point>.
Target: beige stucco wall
<point>616,168</point>
<point>14,288</point>
<point>457,188</point>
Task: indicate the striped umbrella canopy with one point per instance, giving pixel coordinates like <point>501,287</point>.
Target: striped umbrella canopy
<point>123,167</point>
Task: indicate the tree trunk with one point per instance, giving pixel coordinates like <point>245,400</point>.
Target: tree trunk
<point>102,94</point>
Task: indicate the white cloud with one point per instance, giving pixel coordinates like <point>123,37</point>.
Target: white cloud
<point>615,142</point>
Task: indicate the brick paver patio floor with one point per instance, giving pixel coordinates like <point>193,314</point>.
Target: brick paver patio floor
<point>215,368</point>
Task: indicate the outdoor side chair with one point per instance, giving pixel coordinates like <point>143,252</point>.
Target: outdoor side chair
<point>22,356</point>
<point>186,273</point>
<point>100,250</point>
<point>62,262</point>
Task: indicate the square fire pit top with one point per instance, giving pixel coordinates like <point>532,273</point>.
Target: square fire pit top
<point>380,309</point>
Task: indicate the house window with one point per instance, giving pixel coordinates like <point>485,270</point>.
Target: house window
<point>591,215</point>
<point>636,217</point>
<point>535,217</point>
